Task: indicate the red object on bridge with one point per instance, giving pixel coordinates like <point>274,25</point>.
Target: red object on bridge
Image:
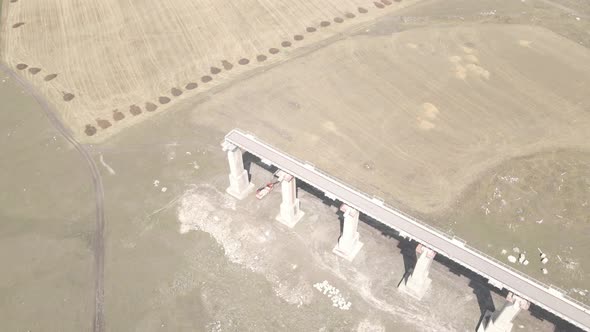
<point>262,192</point>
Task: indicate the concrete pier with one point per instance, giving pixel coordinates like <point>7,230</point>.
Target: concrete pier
<point>239,184</point>
<point>290,213</point>
<point>501,320</point>
<point>348,243</point>
<point>416,281</point>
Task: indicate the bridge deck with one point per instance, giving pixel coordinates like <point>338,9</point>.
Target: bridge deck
<point>458,251</point>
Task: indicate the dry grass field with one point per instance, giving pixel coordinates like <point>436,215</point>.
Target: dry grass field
<point>472,115</point>
<point>416,116</point>
<point>105,64</point>
<point>425,118</point>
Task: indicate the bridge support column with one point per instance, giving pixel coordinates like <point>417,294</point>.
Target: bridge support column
<point>416,282</point>
<point>239,184</point>
<point>348,243</point>
<point>290,213</point>
<point>501,320</point>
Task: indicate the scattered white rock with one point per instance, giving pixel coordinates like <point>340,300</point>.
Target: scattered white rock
<point>334,294</point>
<point>516,250</point>
<point>214,327</point>
<point>544,270</point>
<point>577,18</point>
<point>164,189</point>
<point>521,258</point>
<point>368,326</point>
<point>526,262</point>
<point>544,260</point>
<point>504,251</point>
<point>539,221</point>
<point>156,183</point>
<point>571,265</point>
<point>509,179</point>
<point>512,259</point>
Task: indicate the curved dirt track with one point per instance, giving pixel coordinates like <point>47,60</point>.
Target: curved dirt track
<point>99,250</point>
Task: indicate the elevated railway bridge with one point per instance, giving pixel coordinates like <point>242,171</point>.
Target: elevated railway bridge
<point>523,289</point>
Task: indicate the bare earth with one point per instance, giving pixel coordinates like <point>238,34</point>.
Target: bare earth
<point>471,115</point>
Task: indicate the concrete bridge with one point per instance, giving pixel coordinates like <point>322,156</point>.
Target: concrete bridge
<point>522,289</point>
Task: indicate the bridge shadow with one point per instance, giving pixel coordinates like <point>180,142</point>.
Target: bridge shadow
<point>563,326</point>
<point>560,325</point>
<point>406,247</point>
<point>250,159</point>
<point>481,288</point>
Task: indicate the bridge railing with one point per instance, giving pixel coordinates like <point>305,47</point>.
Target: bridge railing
<point>437,230</point>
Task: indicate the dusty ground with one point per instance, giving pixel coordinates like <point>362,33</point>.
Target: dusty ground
<point>451,98</point>
<point>47,223</point>
<point>189,257</point>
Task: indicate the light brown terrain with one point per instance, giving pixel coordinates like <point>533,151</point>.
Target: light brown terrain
<point>472,115</point>
<point>420,116</point>
<point>436,107</point>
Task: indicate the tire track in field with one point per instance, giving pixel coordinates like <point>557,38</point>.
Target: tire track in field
<point>98,323</point>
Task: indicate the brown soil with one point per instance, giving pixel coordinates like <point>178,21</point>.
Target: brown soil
<point>118,116</point>
<point>90,130</point>
<point>176,92</point>
<point>134,110</point>
<point>104,124</point>
<point>150,107</point>
<point>191,86</point>
<point>50,77</point>
<point>68,96</point>
<point>227,65</point>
